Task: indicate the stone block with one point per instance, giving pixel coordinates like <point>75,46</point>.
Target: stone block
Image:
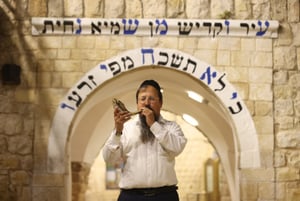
<point>134,9</point>
<point>266,190</point>
<point>293,194</point>
<point>283,92</point>
<point>261,92</point>
<point>45,65</point>
<point>266,142</point>
<point>68,65</point>
<point>73,8</point>
<point>29,80</point>
<point>40,157</point>
<point>208,43</point>
<point>55,8</point>
<point>242,9</point>
<point>286,35</point>
<point>293,158</point>
<point>133,43</point>
<point>31,42</point>
<point>78,188</point>
<point>27,162</point>
<point>87,65</point>
<point>279,10</point>
<point>37,8</point>
<point>48,193</point>
<point>280,77</point>
<point>13,124</point>
<point>44,79</point>
<point>288,139</point>
<point>293,10</point>
<point>262,59</point>
<point>50,96</point>
<point>24,193</point>
<point>6,193</point>
<point>261,9</point>
<point>266,159</point>
<point>223,58</point>
<point>249,190</point>
<point>102,42</point>
<point>263,108</point>
<point>175,8</point>
<point>284,122</point>
<point>280,191</point>
<point>248,44</point>
<point>42,180</point>
<point>197,9</point>
<point>287,174</point>
<point>83,54</point>
<point>188,43</point>
<point>209,56</point>
<point>117,43</point>
<point>280,159</point>
<point>294,81</point>
<point>69,42</point>
<point>242,59</point>
<point>297,107</point>
<point>71,78</point>
<point>260,75</point>
<point>20,144</point>
<point>242,89</point>
<point>6,106</point>
<point>233,44</point>
<point>45,54</point>
<point>154,9</point>
<point>264,45</point>
<point>86,42</point>
<point>20,177</point>
<point>63,53</point>
<point>217,8</point>
<point>4,180</point>
<point>50,42</point>
<point>284,107</point>
<point>285,58</point>
<point>114,9</point>
<point>259,174</point>
<point>94,8</point>
<point>3,145</point>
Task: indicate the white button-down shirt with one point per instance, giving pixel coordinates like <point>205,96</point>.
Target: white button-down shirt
<point>148,164</point>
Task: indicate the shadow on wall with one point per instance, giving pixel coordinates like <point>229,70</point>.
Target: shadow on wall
<point>14,47</point>
<point>16,143</point>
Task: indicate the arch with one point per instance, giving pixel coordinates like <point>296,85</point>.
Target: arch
<point>235,138</point>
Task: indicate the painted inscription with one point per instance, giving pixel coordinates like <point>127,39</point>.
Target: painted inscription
<point>154,27</point>
<point>151,56</point>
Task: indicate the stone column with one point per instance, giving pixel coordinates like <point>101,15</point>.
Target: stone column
<point>80,173</point>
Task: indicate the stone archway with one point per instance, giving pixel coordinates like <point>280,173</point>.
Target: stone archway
<point>94,91</point>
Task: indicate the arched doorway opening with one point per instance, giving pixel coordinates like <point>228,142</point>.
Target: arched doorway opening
<point>78,133</point>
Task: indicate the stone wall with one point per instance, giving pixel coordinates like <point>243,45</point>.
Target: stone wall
<point>268,81</point>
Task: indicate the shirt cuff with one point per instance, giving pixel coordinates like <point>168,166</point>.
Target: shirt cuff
<point>155,128</point>
<point>115,137</point>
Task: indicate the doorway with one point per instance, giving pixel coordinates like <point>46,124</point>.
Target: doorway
<point>219,116</point>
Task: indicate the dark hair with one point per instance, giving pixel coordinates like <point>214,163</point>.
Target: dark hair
<point>152,83</point>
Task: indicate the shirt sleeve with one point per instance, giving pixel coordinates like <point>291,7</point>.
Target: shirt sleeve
<point>170,136</point>
<point>112,148</point>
